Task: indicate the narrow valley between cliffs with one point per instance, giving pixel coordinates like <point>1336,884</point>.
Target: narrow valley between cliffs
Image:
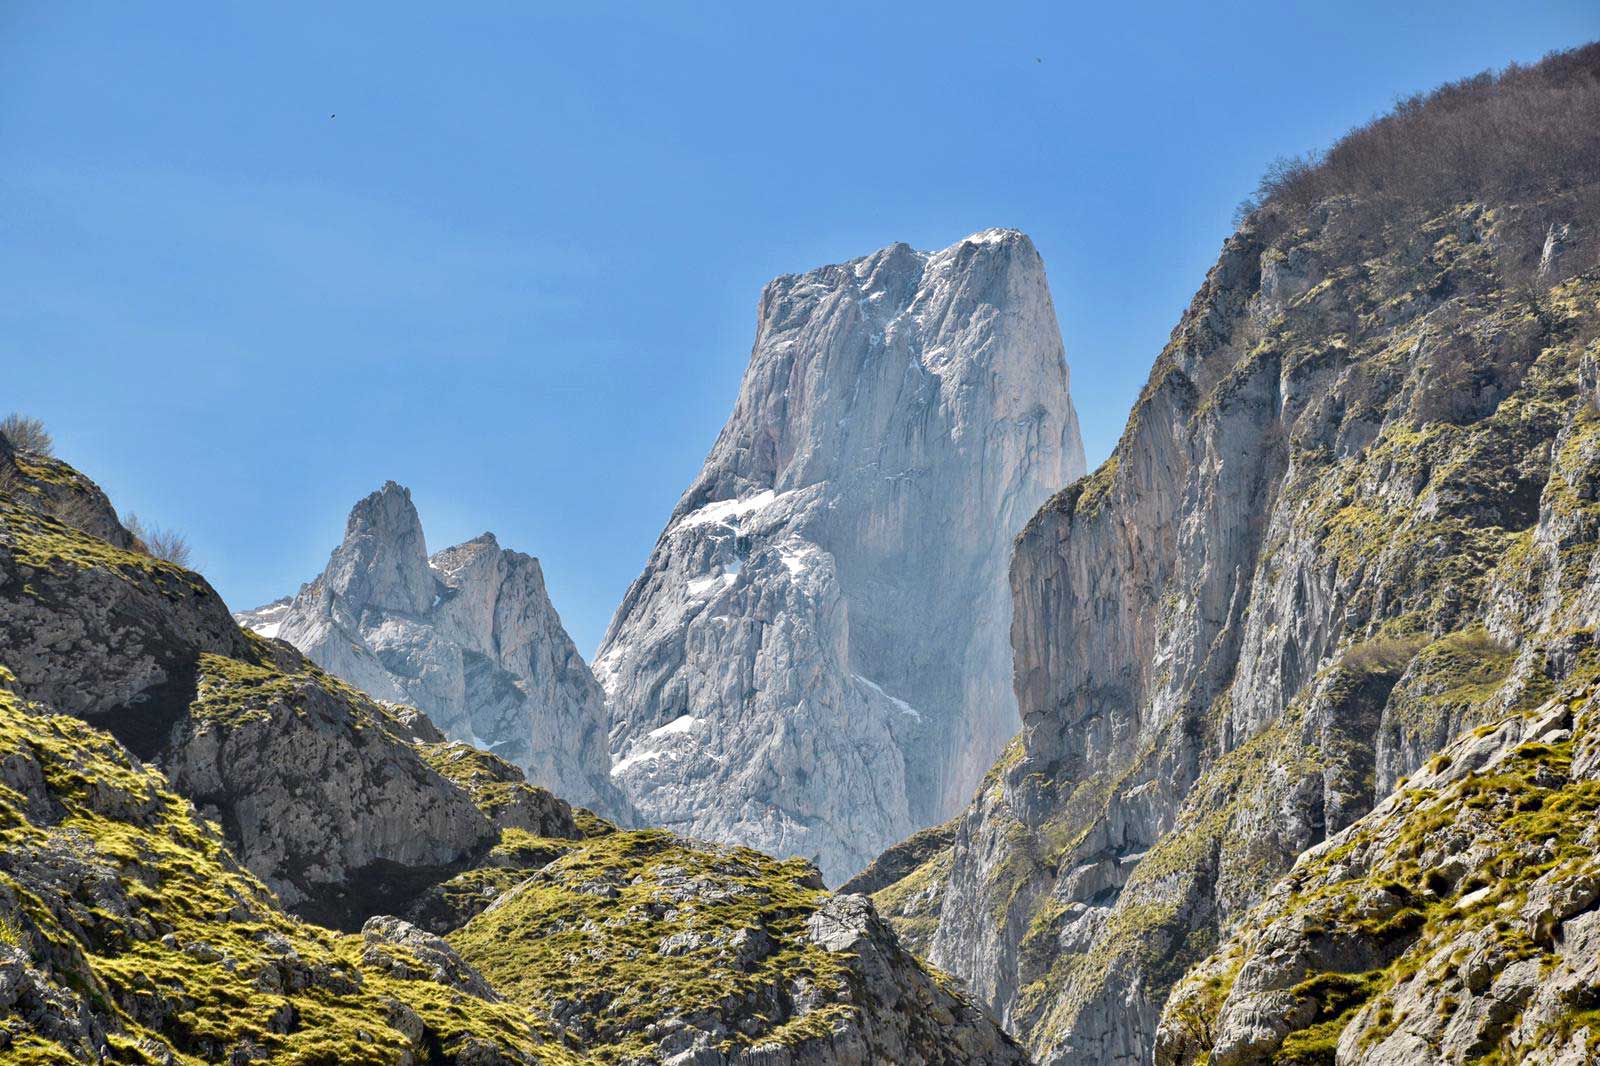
<point>1273,739</point>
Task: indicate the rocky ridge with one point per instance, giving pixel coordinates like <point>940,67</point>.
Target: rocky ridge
<point>813,661</point>
<point>657,949</point>
<point>1350,517</point>
<point>467,635</point>
<point>315,792</point>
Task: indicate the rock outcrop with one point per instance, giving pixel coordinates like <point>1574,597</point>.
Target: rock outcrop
<point>813,661</point>
<point>1459,921</point>
<point>130,933</point>
<point>1351,516</point>
<point>316,787</point>
<point>468,636</point>
<point>652,948</point>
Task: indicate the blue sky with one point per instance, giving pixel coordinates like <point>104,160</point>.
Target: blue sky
<point>518,270</point>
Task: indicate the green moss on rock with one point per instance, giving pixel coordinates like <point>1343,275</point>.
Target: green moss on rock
<point>632,928</point>
<point>118,899</point>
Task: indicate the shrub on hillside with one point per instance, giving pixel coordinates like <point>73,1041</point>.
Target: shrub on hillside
<point>161,543</point>
<point>1521,132</point>
<point>26,434</point>
<point>1383,655</point>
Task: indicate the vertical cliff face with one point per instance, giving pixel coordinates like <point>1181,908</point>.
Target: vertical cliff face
<point>468,636</point>
<point>813,661</point>
<point>1348,519</point>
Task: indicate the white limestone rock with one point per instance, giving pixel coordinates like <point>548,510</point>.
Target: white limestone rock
<point>814,660</point>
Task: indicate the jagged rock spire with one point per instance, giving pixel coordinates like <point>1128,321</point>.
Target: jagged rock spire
<point>383,562</point>
<point>469,637</point>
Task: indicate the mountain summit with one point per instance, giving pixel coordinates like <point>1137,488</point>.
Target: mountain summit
<point>814,660</point>
<point>468,636</point>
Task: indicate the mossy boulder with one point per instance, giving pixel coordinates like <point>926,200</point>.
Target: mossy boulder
<point>650,947</point>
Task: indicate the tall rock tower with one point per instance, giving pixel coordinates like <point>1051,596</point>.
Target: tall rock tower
<point>815,660</point>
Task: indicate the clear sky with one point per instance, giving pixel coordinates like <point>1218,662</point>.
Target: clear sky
<point>258,258</point>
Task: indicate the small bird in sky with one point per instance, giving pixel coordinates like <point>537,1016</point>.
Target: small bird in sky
<point>333,116</point>
<point>1036,59</point>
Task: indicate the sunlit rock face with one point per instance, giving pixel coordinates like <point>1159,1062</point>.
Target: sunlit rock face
<point>468,636</point>
<point>815,658</point>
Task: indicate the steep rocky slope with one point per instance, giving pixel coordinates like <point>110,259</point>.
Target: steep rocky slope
<point>468,636</point>
<point>128,932</point>
<point>316,792</point>
<point>1458,921</point>
<point>1351,516</point>
<point>814,661</point>
<point>134,928</point>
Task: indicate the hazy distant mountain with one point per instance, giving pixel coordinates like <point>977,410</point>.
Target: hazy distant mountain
<point>468,636</point>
